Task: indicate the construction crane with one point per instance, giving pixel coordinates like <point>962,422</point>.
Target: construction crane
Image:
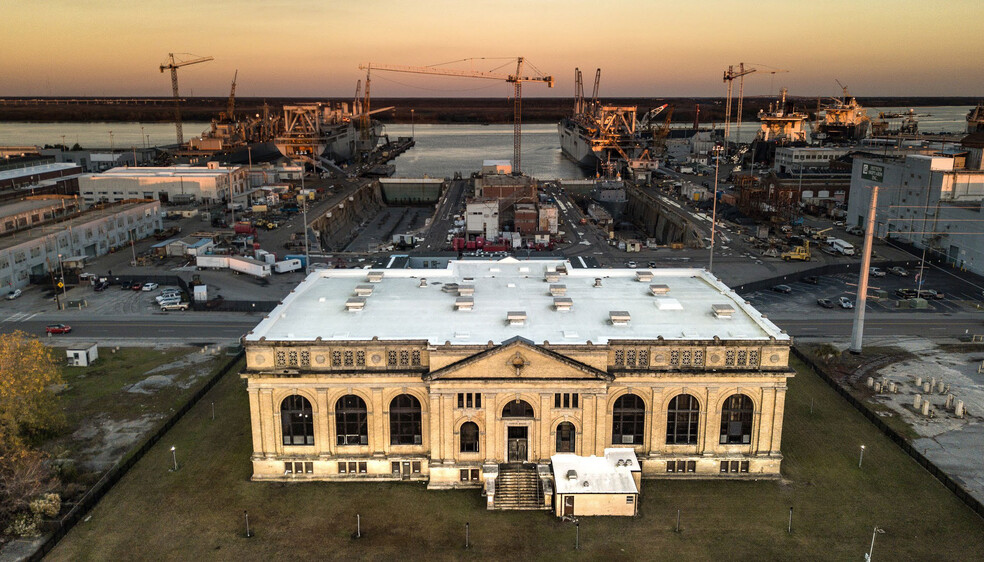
<point>516,79</point>
<point>648,117</point>
<point>729,78</point>
<point>231,104</point>
<point>578,92</point>
<point>173,66</point>
<point>659,138</point>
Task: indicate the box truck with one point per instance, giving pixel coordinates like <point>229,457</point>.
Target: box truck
<point>249,266</point>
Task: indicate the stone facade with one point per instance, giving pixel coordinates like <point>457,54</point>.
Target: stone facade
<point>385,410</point>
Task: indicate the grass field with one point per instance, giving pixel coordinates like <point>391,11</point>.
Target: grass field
<point>114,403</point>
<point>197,512</point>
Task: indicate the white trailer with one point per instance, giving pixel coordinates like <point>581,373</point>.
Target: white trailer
<point>249,266</point>
<point>209,261</point>
<point>843,247</point>
<point>287,266</point>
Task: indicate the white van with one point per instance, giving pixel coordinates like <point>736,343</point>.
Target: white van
<point>843,247</point>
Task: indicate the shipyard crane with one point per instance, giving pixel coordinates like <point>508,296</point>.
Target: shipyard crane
<point>648,117</point>
<point>355,100</point>
<point>597,87</point>
<point>729,78</point>
<point>578,92</point>
<point>843,88</point>
<point>231,104</point>
<point>516,79</point>
<point>659,138</point>
<point>173,65</point>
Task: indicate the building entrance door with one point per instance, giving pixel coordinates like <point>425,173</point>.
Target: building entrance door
<point>405,470</point>
<point>568,505</point>
<point>517,442</point>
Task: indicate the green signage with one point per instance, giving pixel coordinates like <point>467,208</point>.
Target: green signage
<point>872,172</point>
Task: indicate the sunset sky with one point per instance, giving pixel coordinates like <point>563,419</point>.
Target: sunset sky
<point>650,48</point>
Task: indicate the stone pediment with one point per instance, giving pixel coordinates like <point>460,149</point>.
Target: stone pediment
<point>518,360</point>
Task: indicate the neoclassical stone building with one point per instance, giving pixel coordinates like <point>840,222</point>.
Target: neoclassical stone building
<point>443,375</point>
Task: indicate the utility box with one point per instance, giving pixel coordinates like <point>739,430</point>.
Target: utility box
<point>200,293</point>
<point>82,355</point>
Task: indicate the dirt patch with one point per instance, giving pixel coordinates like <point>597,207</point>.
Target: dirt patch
<point>111,439</point>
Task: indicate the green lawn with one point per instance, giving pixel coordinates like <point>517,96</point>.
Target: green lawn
<point>196,513</point>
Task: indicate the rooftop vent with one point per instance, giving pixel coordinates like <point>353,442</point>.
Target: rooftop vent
<point>644,276</point>
<point>572,474</point>
<point>375,276</point>
<point>659,289</point>
<point>723,310</point>
<point>668,303</point>
<point>551,277</point>
<point>423,282</point>
<point>464,303</point>
<point>450,288</point>
<point>516,317</point>
<point>466,290</point>
<point>558,290</point>
<point>562,269</point>
<point>563,303</point>
<point>597,282</point>
<point>355,303</point>
<point>363,290</point>
<point>619,317</point>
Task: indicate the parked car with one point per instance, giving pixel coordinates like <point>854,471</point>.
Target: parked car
<point>100,286</point>
<point>652,264</point>
<point>149,287</point>
<point>782,289</point>
<point>845,302</point>
<point>174,306</point>
<point>876,272</point>
<point>931,294</point>
<point>906,293</point>
<point>900,271</point>
<point>631,265</point>
<point>168,300</point>
<point>170,290</point>
<point>13,294</point>
<point>125,285</point>
<point>136,286</point>
<point>57,328</point>
<point>855,230</point>
<point>826,303</point>
<point>811,279</point>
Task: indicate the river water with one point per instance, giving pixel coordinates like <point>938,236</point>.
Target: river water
<point>441,150</point>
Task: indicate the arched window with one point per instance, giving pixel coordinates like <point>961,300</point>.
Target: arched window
<point>351,421</point>
<point>682,420</point>
<point>297,421</point>
<point>405,420</point>
<point>566,437</point>
<point>469,437</point>
<point>736,420</point>
<point>628,420</point>
<point>517,409</point>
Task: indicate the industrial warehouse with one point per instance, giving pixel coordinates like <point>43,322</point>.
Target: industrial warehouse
<point>477,374</point>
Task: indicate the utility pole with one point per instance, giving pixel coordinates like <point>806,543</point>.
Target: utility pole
<point>717,163</point>
<point>869,234</point>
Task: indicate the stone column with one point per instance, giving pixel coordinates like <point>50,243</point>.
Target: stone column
<point>377,420</point>
<point>777,415</point>
<point>270,416</point>
<point>544,428</point>
<point>490,450</point>
<point>325,440</point>
<point>436,441</point>
<point>710,422</point>
<point>257,421</point>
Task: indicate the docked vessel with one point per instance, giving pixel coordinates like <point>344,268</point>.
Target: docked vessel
<point>780,125</point>
<point>322,132</point>
<point>975,119</point>
<point>610,194</point>
<point>598,136</point>
<point>844,121</point>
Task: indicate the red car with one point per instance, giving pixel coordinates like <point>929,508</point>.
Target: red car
<point>136,286</point>
<point>58,328</point>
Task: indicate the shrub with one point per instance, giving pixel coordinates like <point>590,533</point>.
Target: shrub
<point>48,505</point>
<point>25,525</point>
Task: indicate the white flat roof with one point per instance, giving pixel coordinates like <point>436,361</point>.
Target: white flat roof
<point>167,171</point>
<point>400,308</point>
<point>39,169</point>
<point>574,474</point>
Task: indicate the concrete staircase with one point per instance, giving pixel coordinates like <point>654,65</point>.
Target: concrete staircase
<point>518,488</point>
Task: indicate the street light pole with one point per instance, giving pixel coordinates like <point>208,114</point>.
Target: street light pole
<point>304,199</point>
<point>717,163</point>
<point>871,549</point>
<point>411,124</point>
<point>861,458</point>
<point>174,457</point>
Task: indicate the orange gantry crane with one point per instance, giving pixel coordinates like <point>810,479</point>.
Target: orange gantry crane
<point>173,65</point>
<point>516,79</point>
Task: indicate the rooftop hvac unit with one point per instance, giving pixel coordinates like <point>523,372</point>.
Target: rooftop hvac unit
<point>516,317</point>
<point>563,303</point>
<point>466,290</point>
<point>644,276</point>
<point>619,317</point>
<point>558,290</point>
<point>464,303</point>
<point>722,310</point>
<point>659,289</point>
<point>363,290</point>
<point>551,277</point>
<point>355,303</point>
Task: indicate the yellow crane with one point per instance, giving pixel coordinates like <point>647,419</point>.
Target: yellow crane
<point>516,79</point>
<point>173,65</point>
<point>729,77</point>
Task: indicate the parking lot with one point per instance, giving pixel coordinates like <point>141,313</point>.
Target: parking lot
<point>958,295</point>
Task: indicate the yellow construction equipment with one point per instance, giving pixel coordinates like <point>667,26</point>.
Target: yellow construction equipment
<point>517,79</point>
<point>173,66</point>
<point>801,253</point>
